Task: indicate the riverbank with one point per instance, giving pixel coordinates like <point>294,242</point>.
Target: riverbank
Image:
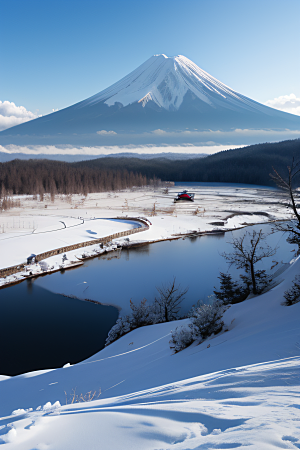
<point>49,262</point>
<point>216,209</point>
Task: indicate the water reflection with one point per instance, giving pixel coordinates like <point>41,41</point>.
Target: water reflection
<point>145,250</point>
<point>195,262</point>
<point>42,330</point>
<point>29,285</point>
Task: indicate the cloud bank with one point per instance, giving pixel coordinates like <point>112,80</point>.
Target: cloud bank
<point>11,115</point>
<point>208,142</point>
<point>209,148</point>
<point>287,103</point>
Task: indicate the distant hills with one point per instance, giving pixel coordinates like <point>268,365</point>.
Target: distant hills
<point>250,165</point>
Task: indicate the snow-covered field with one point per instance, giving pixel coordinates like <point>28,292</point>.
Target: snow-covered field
<point>38,226</point>
<point>239,389</point>
<point>16,247</point>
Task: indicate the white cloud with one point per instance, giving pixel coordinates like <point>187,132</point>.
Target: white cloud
<point>11,115</point>
<point>106,133</point>
<point>288,103</point>
<point>159,132</point>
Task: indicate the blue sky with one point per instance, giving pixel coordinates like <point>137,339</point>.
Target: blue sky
<point>56,53</point>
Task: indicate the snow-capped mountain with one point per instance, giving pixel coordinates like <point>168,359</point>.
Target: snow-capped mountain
<point>166,99</point>
<point>165,81</point>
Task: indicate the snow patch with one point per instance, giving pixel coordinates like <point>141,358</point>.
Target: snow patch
<point>48,407</point>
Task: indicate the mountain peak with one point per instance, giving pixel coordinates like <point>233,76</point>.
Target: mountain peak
<point>165,81</point>
<point>168,57</point>
<point>171,94</point>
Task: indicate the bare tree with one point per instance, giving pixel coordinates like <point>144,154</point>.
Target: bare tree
<point>248,250</point>
<point>288,186</point>
<point>168,300</point>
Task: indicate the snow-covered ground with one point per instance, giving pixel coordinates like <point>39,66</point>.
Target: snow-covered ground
<point>16,247</point>
<point>239,389</point>
<point>38,226</point>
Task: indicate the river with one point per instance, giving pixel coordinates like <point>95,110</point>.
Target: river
<point>40,328</point>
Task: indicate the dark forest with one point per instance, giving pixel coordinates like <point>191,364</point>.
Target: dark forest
<point>251,165</point>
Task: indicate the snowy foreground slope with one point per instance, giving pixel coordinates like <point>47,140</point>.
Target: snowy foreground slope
<point>239,389</point>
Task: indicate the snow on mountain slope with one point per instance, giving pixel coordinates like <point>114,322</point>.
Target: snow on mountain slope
<point>239,389</point>
<point>165,100</point>
<point>165,81</point>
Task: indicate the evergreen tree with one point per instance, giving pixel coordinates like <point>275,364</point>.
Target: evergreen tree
<point>230,291</point>
<point>292,295</point>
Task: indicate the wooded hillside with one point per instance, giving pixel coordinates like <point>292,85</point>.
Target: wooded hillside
<point>251,165</point>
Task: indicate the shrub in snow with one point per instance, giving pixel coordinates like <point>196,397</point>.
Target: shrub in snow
<point>44,266</point>
<point>80,398</point>
<point>182,337</point>
<point>292,295</point>
<point>141,314</point>
<point>231,292</point>
<point>164,309</point>
<point>205,321</point>
<point>122,327</point>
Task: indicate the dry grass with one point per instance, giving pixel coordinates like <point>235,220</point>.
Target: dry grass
<point>81,398</point>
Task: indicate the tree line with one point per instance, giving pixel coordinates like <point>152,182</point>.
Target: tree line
<point>44,176</point>
<point>246,165</point>
<point>250,165</point>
